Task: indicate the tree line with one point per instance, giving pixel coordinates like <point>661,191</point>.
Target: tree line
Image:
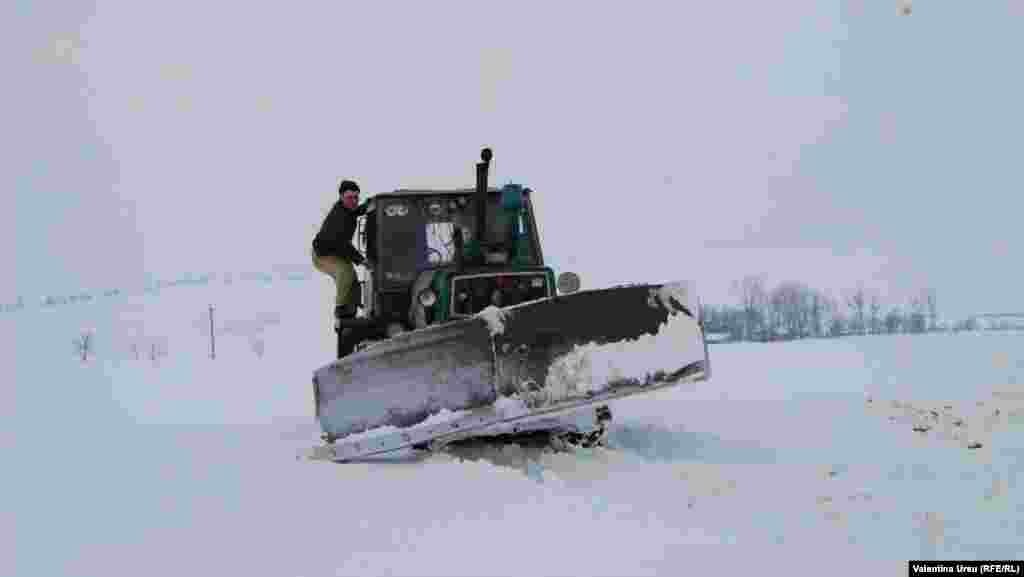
<point>793,310</point>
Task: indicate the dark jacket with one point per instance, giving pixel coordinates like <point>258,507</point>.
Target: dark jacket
<point>335,236</point>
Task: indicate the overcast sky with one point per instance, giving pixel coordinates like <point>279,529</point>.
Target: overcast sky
<point>825,141</point>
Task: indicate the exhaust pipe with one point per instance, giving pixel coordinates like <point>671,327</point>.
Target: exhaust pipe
<point>480,197</point>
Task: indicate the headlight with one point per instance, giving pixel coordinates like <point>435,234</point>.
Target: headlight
<point>427,297</point>
<point>568,282</point>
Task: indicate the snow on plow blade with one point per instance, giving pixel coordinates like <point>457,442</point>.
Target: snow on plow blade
<point>548,357</point>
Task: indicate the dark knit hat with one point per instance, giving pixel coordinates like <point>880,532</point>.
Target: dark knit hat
<point>347,185</point>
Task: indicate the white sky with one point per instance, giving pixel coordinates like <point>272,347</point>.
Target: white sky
<point>828,142</point>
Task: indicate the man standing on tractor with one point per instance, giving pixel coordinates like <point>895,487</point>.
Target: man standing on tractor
<point>333,252</point>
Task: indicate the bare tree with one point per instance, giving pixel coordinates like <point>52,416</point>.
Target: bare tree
<point>875,309</point>
<point>857,301</point>
<point>723,320</point>
<point>792,304</point>
<point>893,320</point>
<point>752,300</point>
<point>734,320</point>
<point>836,322</point>
<point>916,320</point>
<point>727,320</point>
<point>932,308</point>
<point>794,310</point>
<point>779,318</point>
<point>772,324</point>
<point>806,315</point>
<point>819,308</point>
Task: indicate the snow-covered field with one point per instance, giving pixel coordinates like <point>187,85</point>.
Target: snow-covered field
<point>793,456</point>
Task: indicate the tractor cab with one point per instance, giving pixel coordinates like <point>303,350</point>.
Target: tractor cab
<point>442,255</point>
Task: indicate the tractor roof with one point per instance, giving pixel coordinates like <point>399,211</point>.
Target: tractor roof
<point>434,192</point>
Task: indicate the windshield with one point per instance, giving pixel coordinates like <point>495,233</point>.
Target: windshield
<point>440,243</point>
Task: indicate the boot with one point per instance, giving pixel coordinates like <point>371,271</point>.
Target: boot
<point>346,341</point>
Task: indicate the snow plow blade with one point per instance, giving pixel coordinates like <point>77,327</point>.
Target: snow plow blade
<point>402,381</point>
<point>505,368</point>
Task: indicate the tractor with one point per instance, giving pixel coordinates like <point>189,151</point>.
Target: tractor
<point>437,256</point>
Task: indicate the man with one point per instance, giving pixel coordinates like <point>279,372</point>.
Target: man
<point>333,252</point>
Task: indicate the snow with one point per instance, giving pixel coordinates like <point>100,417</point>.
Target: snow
<point>185,464</point>
<point>439,418</point>
<point>683,292</point>
<point>495,318</point>
<point>510,407</point>
<point>592,367</point>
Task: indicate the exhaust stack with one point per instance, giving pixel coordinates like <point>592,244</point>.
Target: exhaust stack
<point>480,197</point>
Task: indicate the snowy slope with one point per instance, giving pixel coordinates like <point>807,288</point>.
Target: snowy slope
<point>186,464</point>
